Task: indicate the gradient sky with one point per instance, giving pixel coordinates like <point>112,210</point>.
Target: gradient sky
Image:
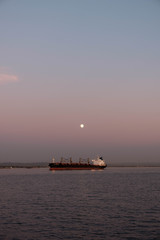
<point>63,63</point>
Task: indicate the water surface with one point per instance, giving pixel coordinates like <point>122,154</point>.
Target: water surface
<point>117,203</point>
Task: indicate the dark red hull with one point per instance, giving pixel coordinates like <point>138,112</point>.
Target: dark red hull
<point>75,166</point>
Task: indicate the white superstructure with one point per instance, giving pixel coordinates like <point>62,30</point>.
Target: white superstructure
<point>99,162</point>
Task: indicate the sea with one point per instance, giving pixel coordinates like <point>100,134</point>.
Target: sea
<point>114,203</point>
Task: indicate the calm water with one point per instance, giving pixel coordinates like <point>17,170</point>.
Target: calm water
<point>117,203</point>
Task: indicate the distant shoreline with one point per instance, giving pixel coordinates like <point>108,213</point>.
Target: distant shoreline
<point>109,166</point>
<point>30,165</point>
<point>10,167</point>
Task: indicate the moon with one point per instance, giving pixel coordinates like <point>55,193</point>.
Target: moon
<point>81,125</point>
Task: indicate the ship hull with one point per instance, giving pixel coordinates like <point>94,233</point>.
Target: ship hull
<point>75,167</point>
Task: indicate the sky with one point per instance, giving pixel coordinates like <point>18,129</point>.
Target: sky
<point>67,62</point>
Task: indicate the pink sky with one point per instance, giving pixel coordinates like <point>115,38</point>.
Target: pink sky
<point>100,68</point>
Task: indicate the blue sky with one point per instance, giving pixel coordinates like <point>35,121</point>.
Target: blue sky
<point>67,62</point>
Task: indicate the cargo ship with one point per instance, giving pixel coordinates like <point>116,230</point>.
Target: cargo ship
<point>83,164</point>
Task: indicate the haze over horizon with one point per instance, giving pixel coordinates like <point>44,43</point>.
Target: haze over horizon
<point>64,63</point>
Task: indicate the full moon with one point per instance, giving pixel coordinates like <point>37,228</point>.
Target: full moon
<point>82,125</point>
